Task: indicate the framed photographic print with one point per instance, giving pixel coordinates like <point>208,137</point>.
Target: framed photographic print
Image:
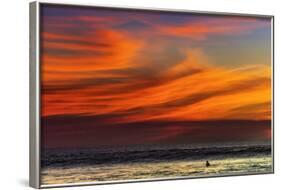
<point>126,94</point>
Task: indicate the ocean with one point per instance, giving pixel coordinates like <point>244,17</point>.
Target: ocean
<point>155,162</point>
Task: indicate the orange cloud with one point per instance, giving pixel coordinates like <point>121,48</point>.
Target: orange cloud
<point>201,30</point>
<point>208,93</point>
<point>103,72</point>
<point>105,50</point>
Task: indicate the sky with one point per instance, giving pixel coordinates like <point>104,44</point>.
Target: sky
<point>113,77</point>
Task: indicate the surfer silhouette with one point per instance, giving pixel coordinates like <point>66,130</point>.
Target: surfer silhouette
<point>207,163</point>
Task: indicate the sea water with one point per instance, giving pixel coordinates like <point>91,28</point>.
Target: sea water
<point>92,165</point>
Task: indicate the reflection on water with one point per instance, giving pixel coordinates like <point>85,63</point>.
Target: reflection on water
<point>162,169</point>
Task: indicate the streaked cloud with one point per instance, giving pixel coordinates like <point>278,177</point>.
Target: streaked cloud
<point>205,28</point>
<point>131,70</point>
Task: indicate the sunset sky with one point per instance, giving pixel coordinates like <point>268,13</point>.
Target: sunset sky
<point>121,77</point>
